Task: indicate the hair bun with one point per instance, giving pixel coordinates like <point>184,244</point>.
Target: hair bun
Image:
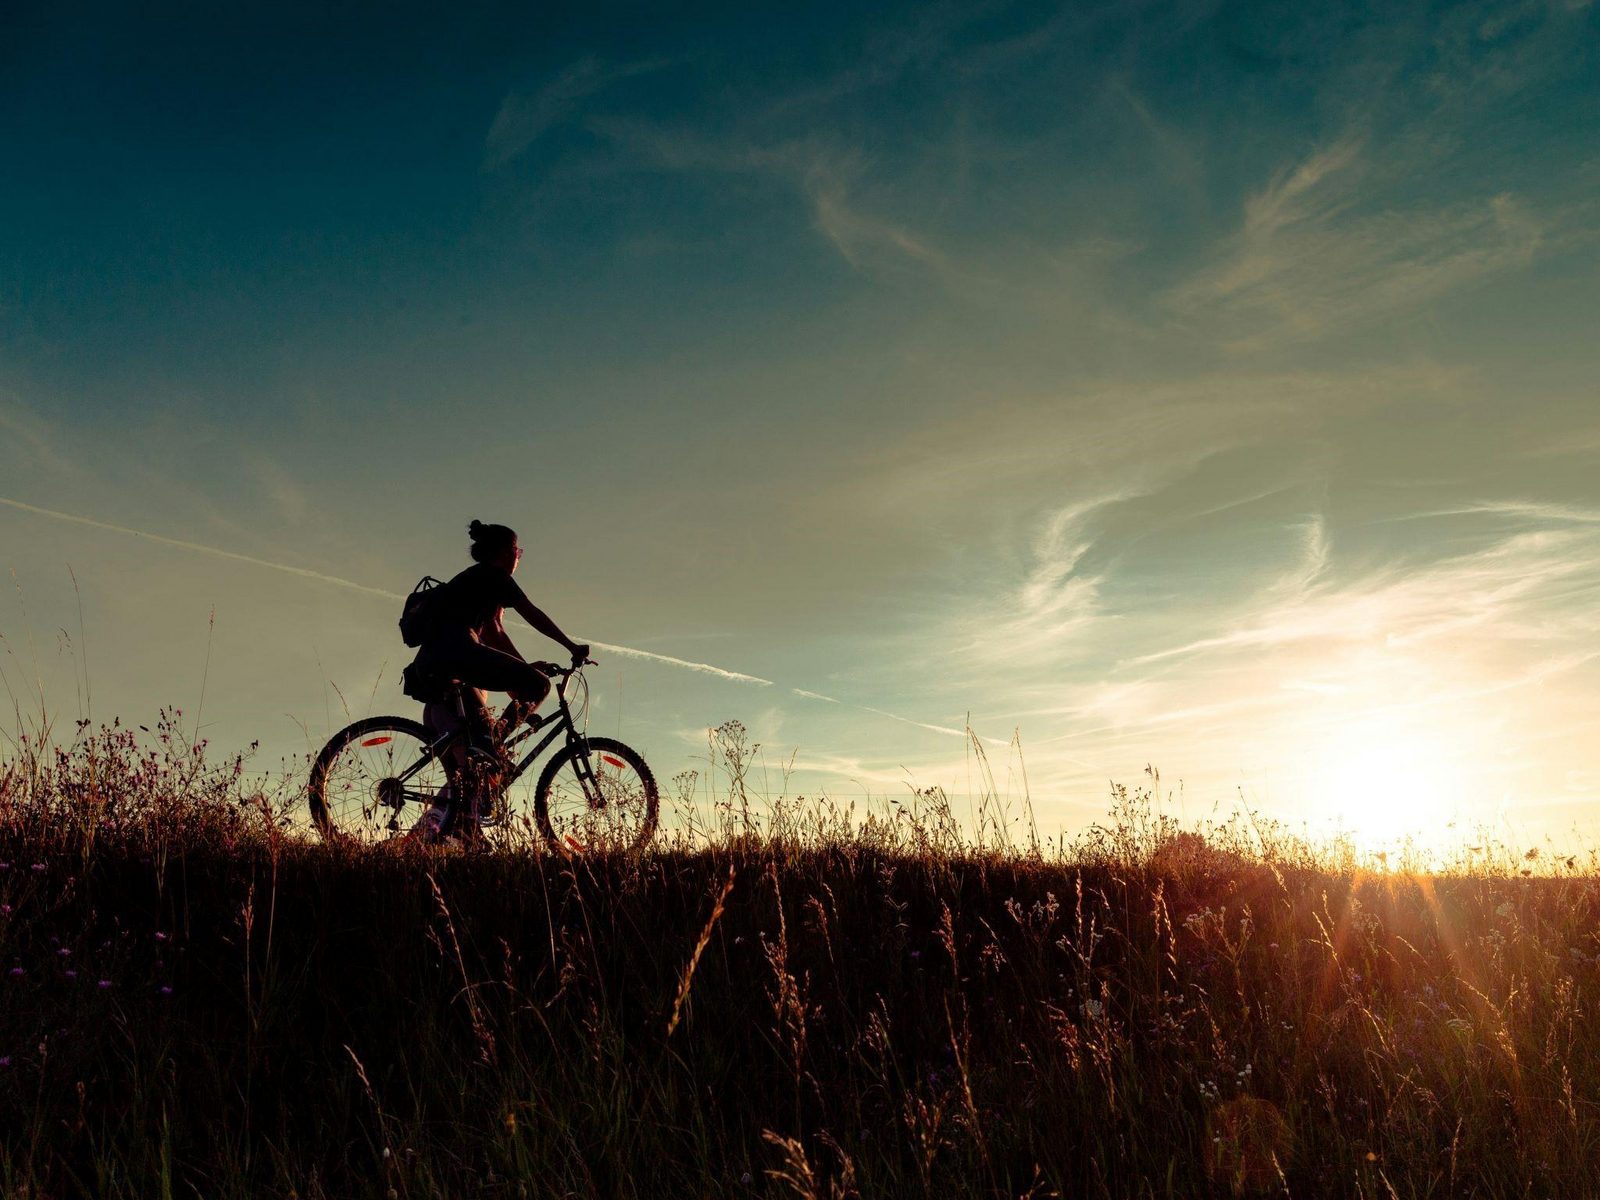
<point>475,530</point>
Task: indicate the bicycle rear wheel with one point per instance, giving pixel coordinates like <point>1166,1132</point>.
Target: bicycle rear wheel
<point>357,790</point>
<point>596,794</point>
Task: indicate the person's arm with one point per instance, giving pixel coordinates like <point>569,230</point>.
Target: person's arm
<point>536,617</point>
<point>494,635</point>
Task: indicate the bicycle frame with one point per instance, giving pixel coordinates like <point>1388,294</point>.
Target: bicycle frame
<point>560,721</point>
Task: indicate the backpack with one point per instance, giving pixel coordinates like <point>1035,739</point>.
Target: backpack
<point>416,619</point>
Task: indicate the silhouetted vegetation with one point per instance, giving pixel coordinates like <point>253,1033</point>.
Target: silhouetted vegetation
<point>808,1002</point>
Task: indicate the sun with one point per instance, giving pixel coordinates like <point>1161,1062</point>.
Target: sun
<point>1382,781</point>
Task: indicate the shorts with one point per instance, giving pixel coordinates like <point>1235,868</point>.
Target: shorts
<point>480,669</point>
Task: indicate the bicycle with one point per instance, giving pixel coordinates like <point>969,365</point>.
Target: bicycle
<point>595,793</point>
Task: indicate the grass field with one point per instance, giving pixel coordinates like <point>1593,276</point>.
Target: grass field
<point>197,1002</point>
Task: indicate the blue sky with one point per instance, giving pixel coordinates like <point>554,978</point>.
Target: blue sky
<point>1207,386</point>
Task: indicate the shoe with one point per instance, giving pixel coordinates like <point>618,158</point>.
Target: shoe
<point>430,824</point>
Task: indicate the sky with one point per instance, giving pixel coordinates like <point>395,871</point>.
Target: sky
<point>1197,387</point>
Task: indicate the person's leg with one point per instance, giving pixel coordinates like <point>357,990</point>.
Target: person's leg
<point>476,667</point>
<point>480,763</point>
<point>448,714</point>
<point>485,667</point>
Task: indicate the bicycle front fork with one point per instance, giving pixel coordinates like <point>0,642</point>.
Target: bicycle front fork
<point>583,768</point>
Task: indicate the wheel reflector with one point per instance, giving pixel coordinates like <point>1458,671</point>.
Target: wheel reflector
<point>377,741</point>
<point>615,762</point>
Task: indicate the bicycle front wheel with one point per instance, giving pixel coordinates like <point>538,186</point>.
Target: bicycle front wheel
<point>596,794</point>
<point>373,779</point>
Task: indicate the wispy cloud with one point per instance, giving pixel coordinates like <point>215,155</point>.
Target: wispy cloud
<point>524,117</point>
<point>1497,587</point>
<point>1580,441</point>
<point>24,429</point>
<point>1313,256</point>
<point>855,234</point>
<point>287,495</point>
<point>826,176</point>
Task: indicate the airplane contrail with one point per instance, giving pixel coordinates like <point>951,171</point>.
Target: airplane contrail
<point>352,585</point>
<point>338,581</point>
<point>203,549</point>
<point>704,668</point>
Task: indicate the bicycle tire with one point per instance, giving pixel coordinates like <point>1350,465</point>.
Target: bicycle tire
<point>630,772</point>
<point>320,802</point>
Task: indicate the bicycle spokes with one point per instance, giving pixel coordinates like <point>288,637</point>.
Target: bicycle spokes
<point>375,782</point>
<point>598,801</point>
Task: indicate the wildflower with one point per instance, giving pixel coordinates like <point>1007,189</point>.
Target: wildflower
<point>166,990</point>
<point>38,868</point>
<point>1093,1007</point>
<point>70,974</point>
<point>745,1179</point>
<point>160,936</point>
<point>104,984</point>
<point>18,972</point>
<point>64,952</point>
<point>5,910</point>
<point>916,954</point>
<point>5,1060</point>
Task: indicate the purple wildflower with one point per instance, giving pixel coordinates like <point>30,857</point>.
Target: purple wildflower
<point>70,974</point>
<point>18,972</point>
<point>165,989</point>
<point>104,984</point>
<point>5,1060</point>
<point>38,868</point>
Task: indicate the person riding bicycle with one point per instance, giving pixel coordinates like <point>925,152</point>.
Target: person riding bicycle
<point>466,642</point>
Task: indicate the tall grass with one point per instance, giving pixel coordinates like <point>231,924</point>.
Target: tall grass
<point>793,1001</point>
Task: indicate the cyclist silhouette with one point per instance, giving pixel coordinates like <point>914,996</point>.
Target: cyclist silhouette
<point>466,642</point>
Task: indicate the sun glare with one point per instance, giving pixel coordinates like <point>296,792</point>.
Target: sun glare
<point>1380,784</point>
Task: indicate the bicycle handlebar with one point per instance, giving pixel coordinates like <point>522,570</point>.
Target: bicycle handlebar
<point>550,668</point>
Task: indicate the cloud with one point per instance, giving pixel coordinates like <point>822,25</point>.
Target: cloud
<point>25,429</point>
<point>1314,255</point>
<point>524,117</point>
<point>854,234</point>
<point>285,493</point>
<point>827,177</point>
<point>1583,441</point>
<point>1528,510</point>
<point>1534,587</point>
